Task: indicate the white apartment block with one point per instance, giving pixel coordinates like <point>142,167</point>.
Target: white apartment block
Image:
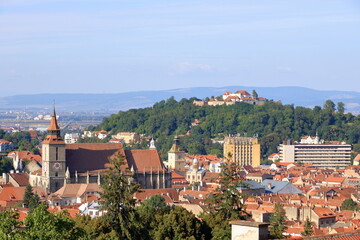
<point>319,154</point>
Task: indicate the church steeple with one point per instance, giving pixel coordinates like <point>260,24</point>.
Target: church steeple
<point>53,130</point>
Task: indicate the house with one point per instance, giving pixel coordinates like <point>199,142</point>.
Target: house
<point>251,187</point>
<point>169,194</point>
<point>195,174</point>
<point>6,145</point>
<point>11,196</point>
<point>70,194</point>
<point>274,157</point>
<point>71,138</point>
<point>93,209</point>
<point>272,186</point>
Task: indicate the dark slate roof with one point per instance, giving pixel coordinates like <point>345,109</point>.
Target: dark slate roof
<point>83,157</point>
<point>250,184</point>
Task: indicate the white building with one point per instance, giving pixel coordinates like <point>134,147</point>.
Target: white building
<point>317,153</point>
<point>71,138</point>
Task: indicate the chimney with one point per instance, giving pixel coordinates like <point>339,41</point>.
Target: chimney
<point>269,185</point>
<point>249,230</point>
<point>5,177</point>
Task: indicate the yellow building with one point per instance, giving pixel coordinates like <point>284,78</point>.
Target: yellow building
<point>242,150</point>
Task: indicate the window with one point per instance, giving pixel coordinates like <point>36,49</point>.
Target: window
<point>57,153</point>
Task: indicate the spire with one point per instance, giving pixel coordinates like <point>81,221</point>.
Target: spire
<point>76,177</point>
<point>53,130</point>
<point>176,145</point>
<point>99,179</point>
<point>67,173</point>
<point>152,144</point>
<point>87,177</point>
<point>53,124</point>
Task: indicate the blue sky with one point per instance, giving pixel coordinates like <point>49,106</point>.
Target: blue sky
<point>110,46</point>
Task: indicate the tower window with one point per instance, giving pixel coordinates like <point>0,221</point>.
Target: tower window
<point>56,174</point>
<point>57,153</point>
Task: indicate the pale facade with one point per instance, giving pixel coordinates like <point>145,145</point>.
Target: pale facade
<point>319,155</point>
<point>242,150</point>
<point>175,157</point>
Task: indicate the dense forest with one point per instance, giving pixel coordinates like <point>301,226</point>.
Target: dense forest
<point>272,122</point>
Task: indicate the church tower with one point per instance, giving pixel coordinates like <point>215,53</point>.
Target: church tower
<point>53,158</point>
<point>175,160</point>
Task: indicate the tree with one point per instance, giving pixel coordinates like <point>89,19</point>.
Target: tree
<point>349,204</point>
<point>254,94</point>
<point>31,200</point>
<point>329,106</point>
<point>341,107</point>
<point>118,200</point>
<point>178,224</point>
<point>308,230</point>
<point>9,225</point>
<point>227,204</point>
<point>44,225</point>
<point>277,221</point>
<point>95,228</point>
<point>228,199</point>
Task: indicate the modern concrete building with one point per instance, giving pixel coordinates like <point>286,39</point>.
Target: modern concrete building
<point>242,150</point>
<point>320,154</point>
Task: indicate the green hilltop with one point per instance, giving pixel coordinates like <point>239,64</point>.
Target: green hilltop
<point>272,122</point>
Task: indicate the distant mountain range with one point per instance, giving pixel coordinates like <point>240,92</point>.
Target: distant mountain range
<point>298,96</point>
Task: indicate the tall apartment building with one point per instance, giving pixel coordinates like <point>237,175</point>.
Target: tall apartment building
<point>319,153</point>
<point>242,150</point>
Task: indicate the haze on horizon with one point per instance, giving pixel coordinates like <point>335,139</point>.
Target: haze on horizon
<point>111,46</point>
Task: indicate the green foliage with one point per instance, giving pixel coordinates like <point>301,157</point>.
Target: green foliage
<point>118,200</point>
<point>95,228</point>
<point>219,225</point>
<point>227,204</point>
<point>9,225</point>
<point>277,221</point>
<point>340,107</point>
<point>308,231</point>
<point>254,94</point>
<point>228,199</point>
<point>5,164</point>
<point>178,224</point>
<point>273,123</point>
<point>43,225</point>
<point>349,204</point>
<point>31,200</point>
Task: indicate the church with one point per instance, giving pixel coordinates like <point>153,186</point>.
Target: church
<point>86,163</point>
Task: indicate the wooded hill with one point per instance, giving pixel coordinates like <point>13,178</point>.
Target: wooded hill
<point>272,122</point>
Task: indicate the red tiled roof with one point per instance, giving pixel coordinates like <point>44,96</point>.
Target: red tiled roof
<point>168,194</point>
<point>242,92</point>
<point>323,212</point>
<point>25,155</point>
<point>144,159</point>
<point>20,178</point>
<point>12,194</point>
